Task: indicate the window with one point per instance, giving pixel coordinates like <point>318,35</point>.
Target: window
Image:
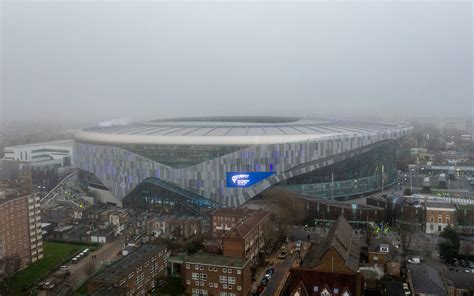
<point>196,283</point>
<point>239,271</point>
<point>201,267</point>
<point>203,277</point>
<point>231,294</point>
<point>195,276</point>
<point>211,285</point>
<point>316,289</point>
<point>188,282</point>
<point>440,219</point>
<point>196,267</point>
<point>224,286</point>
<point>239,288</point>
<point>195,292</point>
<point>201,284</point>
<point>209,268</point>
<point>229,270</point>
<point>222,279</point>
<point>216,285</point>
<point>336,291</point>
<point>204,292</point>
<point>231,279</point>
<point>229,287</point>
<point>376,258</point>
<point>325,292</point>
<point>222,294</point>
<point>432,219</point>
<point>224,270</point>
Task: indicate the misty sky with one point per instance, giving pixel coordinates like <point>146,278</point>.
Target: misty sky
<point>94,61</point>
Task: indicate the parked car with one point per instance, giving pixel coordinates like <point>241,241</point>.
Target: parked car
<point>298,245</point>
<point>464,263</point>
<point>270,271</point>
<point>414,260</point>
<point>264,282</point>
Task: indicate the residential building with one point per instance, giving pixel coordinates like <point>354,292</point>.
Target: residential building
<point>135,273</point>
<point>224,219</point>
<point>331,268</point>
<point>439,215</point>
<point>246,239</point>
<point>20,228</point>
<point>386,256</point>
<point>213,275</point>
<point>173,227</point>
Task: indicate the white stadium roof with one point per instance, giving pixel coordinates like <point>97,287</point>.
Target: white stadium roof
<point>239,131</point>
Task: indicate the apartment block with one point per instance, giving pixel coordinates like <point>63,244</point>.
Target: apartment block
<point>439,215</point>
<point>134,274</point>
<point>213,275</point>
<point>20,228</point>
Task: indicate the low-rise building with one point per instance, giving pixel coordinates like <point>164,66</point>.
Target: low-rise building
<point>439,215</point>
<point>331,268</point>
<point>224,219</point>
<point>246,239</point>
<point>135,274</point>
<point>386,256</point>
<point>174,227</point>
<point>206,274</point>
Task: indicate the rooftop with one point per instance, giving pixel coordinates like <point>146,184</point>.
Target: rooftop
<point>340,237</point>
<point>119,270</point>
<point>216,260</point>
<point>232,130</point>
<point>244,227</point>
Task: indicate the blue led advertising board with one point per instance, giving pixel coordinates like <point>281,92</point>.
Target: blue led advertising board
<point>245,179</point>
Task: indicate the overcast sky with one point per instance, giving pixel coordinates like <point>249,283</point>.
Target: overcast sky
<point>94,61</point>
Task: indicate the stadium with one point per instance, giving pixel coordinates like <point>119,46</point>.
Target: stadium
<point>226,161</point>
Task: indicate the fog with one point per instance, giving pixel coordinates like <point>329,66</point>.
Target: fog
<point>94,61</point>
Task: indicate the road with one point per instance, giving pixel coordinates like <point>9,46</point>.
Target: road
<point>108,252</point>
<point>276,282</point>
<point>53,192</point>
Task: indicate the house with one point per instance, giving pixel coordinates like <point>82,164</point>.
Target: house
<point>330,268</point>
<point>386,256</point>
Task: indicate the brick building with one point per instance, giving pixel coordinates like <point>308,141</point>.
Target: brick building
<point>439,215</point>
<point>400,211</point>
<point>327,210</point>
<point>246,239</point>
<point>134,274</point>
<point>213,275</point>
<point>174,227</point>
<point>330,268</point>
<point>20,228</point>
<point>465,219</point>
<point>224,219</point>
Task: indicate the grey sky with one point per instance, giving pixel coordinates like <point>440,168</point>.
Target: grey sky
<point>88,60</point>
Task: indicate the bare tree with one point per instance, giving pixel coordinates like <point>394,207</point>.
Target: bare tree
<point>8,267</point>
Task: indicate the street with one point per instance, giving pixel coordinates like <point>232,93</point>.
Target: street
<point>108,252</point>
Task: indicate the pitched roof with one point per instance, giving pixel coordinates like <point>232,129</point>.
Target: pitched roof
<point>340,237</point>
<point>244,227</point>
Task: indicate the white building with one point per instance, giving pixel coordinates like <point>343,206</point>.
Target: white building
<point>38,152</point>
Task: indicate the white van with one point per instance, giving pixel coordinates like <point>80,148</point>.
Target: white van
<point>414,260</point>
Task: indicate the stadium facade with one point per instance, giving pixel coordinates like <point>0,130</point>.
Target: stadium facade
<point>229,160</point>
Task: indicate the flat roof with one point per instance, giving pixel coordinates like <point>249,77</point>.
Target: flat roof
<point>42,144</point>
<point>120,269</point>
<point>216,260</point>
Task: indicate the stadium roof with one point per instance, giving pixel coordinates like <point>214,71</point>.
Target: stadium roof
<point>239,131</point>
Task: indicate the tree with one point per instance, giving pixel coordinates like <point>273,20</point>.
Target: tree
<point>8,267</point>
<point>449,243</point>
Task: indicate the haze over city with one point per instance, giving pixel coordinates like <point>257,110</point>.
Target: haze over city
<point>236,148</point>
<point>92,61</point>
